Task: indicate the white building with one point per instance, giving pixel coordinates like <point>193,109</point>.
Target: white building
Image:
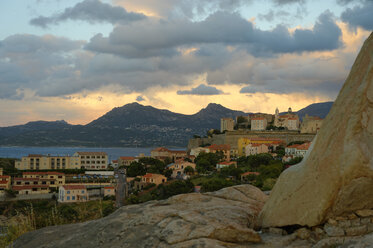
<point>72,193</point>
<point>93,160</point>
<point>258,123</point>
<point>226,124</point>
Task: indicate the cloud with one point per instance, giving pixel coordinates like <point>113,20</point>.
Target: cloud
<point>162,38</point>
<point>202,90</point>
<point>359,16</point>
<point>284,2</point>
<point>140,98</point>
<point>91,11</point>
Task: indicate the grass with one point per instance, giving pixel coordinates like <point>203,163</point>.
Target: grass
<point>27,216</point>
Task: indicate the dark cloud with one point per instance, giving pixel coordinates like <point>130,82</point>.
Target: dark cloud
<point>162,38</point>
<point>282,2</point>
<point>140,98</point>
<point>91,11</point>
<point>359,16</point>
<point>202,90</point>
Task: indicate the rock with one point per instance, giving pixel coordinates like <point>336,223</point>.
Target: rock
<point>356,230</point>
<point>303,233</point>
<point>274,230</point>
<point>218,219</point>
<point>344,223</point>
<point>365,212</point>
<point>337,172</point>
<point>332,222</point>
<point>333,231</point>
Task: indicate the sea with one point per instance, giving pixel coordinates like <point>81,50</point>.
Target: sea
<point>113,152</point>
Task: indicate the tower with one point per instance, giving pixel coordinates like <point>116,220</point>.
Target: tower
<point>289,110</point>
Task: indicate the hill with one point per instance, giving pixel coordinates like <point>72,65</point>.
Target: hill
<point>129,126</point>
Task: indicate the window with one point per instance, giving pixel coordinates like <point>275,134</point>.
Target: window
<point>73,198</point>
<point>35,182</point>
<point>82,191</point>
<point>68,198</point>
<point>68,192</point>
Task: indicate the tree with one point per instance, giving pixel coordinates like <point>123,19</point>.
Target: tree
<point>241,119</point>
<point>214,184</point>
<point>231,171</point>
<point>136,169</point>
<point>189,170</point>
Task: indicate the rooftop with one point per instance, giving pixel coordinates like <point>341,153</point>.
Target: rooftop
<point>72,187</point>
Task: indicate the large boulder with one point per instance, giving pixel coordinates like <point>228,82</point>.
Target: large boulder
<point>218,219</point>
<point>336,176</point>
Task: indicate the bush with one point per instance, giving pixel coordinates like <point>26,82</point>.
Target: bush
<point>214,184</point>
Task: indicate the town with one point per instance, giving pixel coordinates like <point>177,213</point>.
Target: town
<point>249,158</point>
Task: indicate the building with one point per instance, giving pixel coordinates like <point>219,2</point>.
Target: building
<point>258,123</point>
<point>109,191</point>
<point>72,193</point>
<point>243,142</point>
<point>245,176</point>
<point>93,160</point>
<point>297,150</point>
<point>226,124</point>
<point>126,161</point>
<point>163,153</point>
<point>47,162</point>
<point>224,149</point>
<point>289,121</point>
<point>4,182</point>
<point>225,164</point>
<point>196,151</point>
<point>254,148</point>
<point>55,179</point>
<point>153,178</point>
<point>178,168</point>
<point>310,124</point>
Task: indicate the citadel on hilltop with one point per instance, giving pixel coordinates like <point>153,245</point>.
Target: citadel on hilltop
<point>289,121</point>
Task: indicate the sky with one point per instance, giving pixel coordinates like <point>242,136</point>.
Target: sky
<point>75,60</point>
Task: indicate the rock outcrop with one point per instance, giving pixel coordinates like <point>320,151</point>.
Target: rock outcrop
<point>217,219</point>
<point>336,177</point>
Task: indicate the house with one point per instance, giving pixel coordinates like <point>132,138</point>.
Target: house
<point>38,182</point>
<point>225,164</point>
<point>93,160</point>
<point>226,124</point>
<point>4,182</point>
<point>126,161</point>
<point>224,149</point>
<point>310,124</point>
<point>72,193</point>
<point>254,148</point>
<point>258,123</point>
<point>178,168</point>
<point>114,163</point>
<point>272,143</point>
<point>244,176</point>
<point>31,189</point>
<point>109,191</point>
<point>297,150</point>
<point>163,153</point>
<point>196,151</point>
<point>153,178</point>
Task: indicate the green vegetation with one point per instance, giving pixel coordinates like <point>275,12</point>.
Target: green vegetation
<point>8,166</point>
<point>206,162</point>
<point>147,165</point>
<point>26,216</point>
<point>294,161</point>
<point>215,183</point>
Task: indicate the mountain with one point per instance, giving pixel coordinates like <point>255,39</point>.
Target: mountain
<point>317,109</point>
<point>128,126</point>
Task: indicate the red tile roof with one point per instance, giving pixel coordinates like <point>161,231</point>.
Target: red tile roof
<point>109,187</point>
<point>304,146</point>
<point>219,147</point>
<point>34,155</point>
<point>43,173</point>
<point>4,182</point>
<point>72,187</point>
<point>33,179</point>
<point>250,173</point>
<point>4,176</point>
<point>127,158</point>
<point>29,187</point>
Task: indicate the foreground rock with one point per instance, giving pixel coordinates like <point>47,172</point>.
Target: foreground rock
<point>218,219</point>
<point>337,176</point>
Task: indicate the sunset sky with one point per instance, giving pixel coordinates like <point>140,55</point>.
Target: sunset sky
<point>75,60</point>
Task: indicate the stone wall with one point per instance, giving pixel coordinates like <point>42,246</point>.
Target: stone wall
<point>231,138</point>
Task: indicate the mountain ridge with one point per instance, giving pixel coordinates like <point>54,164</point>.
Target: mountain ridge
<point>130,125</point>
